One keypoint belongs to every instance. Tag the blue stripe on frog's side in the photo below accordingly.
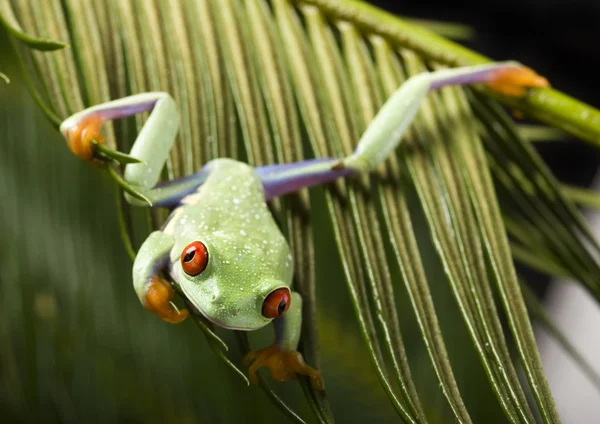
(277, 180)
(169, 194)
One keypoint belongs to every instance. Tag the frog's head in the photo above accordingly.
(233, 285)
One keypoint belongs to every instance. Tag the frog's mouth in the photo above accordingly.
(217, 322)
(196, 307)
(212, 319)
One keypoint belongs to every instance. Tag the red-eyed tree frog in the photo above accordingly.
(220, 244)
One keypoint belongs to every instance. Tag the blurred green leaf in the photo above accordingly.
(8, 20)
(539, 133)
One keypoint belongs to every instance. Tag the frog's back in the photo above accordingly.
(231, 198)
(231, 192)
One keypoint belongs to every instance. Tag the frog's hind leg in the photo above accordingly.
(385, 132)
(153, 142)
(287, 178)
(168, 194)
(151, 146)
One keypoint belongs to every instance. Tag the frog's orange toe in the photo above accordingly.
(80, 136)
(283, 365)
(159, 294)
(515, 81)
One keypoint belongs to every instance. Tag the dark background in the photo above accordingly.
(560, 39)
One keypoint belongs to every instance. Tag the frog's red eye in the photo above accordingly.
(194, 258)
(276, 303)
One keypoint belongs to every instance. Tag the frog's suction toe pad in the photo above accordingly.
(515, 81)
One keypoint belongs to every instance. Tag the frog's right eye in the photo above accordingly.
(194, 258)
(276, 303)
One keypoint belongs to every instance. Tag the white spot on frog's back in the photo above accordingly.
(193, 198)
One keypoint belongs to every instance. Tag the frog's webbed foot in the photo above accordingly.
(283, 365)
(158, 299)
(515, 81)
(81, 134)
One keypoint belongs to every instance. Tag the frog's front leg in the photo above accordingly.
(281, 358)
(155, 293)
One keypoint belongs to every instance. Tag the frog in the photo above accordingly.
(221, 246)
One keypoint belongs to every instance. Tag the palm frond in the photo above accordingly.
(280, 80)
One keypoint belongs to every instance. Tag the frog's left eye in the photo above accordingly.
(276, 303)
(194, 258)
